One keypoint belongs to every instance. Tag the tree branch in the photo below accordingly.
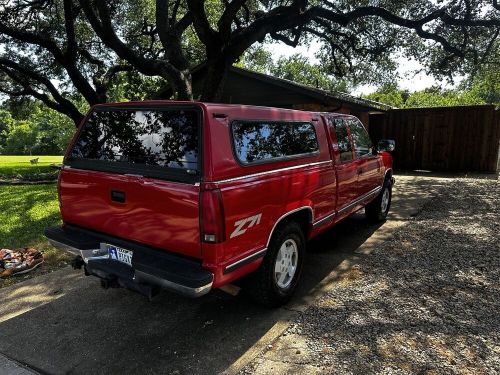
(69, 22)
(88, 56)
(114, 70)
(102, 25)
(60, 104)
(345, 19)
(207, 35)
(174, 11)
(162, 21)
(290, 42)
(74, 73)
(229, 15)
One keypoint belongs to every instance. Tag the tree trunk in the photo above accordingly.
(213, 85)
(181, 85)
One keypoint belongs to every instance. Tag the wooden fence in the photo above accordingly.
(463, 138)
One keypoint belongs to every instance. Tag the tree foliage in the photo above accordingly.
(485, 83)
(65, 51)
(43, 132)
(484, 88)
(296, 68)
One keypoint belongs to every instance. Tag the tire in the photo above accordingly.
(378, 209)
(273, 288)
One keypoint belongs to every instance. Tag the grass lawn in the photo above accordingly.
(20, 167)
(26, 210)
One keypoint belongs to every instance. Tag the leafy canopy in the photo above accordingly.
(65, 52)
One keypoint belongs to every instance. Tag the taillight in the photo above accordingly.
(212, 217)
(59, 190)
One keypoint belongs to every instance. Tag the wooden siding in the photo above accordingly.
(442, 139)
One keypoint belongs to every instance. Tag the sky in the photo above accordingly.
(410, 80)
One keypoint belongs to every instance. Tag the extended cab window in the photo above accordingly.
(360, 138)
(148, 142)
(256, 141)
(343, 141)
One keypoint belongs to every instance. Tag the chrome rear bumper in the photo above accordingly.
(150, 267)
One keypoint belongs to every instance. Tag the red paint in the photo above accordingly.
(157, 213)
(167, 215)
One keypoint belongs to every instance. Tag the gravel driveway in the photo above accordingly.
(426, 302)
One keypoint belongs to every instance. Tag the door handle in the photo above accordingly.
(360, 171)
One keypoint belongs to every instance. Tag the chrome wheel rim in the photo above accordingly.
(286, 263)
(385, 200)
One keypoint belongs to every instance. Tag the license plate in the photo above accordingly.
(119, 254)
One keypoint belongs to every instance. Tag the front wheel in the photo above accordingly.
(378, 209)
(276, 279)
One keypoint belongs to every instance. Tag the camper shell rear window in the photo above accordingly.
(161, 142)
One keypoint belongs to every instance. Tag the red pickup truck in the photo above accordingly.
(192, 196)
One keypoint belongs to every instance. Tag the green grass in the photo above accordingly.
(20, 167)
(26, 210)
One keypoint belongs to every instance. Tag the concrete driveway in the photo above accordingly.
(64, 323)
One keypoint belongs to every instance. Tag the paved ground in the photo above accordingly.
(64, 323)
(10, 367)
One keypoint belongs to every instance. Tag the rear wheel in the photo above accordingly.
(378, 209)
(275, 281)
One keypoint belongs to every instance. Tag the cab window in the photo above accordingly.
(263, 141)
(343, 141)
(362, 142)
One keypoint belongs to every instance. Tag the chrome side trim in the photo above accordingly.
(360, 199)
(285, 215)
(182, 289)
(231, 267)
(365, 196)
(325, 219)
(272, 171)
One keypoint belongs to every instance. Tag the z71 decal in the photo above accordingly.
(244, 224)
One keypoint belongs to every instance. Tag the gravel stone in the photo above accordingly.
(427, 301)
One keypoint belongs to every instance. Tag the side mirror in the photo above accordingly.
(386, 145)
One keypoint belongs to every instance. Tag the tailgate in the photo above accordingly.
(133, 172)
(153, 212)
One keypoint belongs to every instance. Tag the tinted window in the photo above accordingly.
(262, 140)
(140, 137)
(360, 138)
(343, 141)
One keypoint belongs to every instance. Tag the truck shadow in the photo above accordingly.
(90, 330)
